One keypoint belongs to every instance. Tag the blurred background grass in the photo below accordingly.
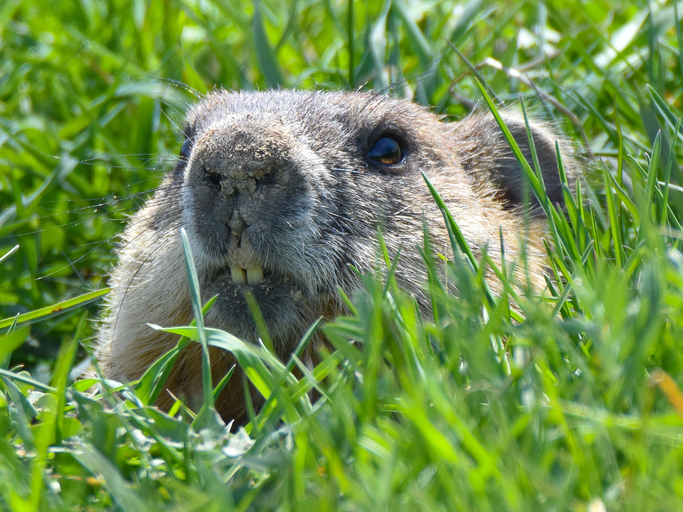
(92, 96)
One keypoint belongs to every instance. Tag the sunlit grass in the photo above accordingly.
(561, 401)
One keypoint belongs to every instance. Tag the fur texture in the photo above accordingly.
(284, 181)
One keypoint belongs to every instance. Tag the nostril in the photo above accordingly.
(265, 177)
(213, 179)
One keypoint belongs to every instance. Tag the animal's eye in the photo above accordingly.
(386, 151)
(186, 148)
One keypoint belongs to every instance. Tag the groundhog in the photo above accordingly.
(281, 192)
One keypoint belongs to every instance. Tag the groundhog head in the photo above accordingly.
(282, 192)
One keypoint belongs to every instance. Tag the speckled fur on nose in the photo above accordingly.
(240, 171)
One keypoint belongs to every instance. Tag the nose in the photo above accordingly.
(240, 167)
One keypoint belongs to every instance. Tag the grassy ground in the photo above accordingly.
(567, 402)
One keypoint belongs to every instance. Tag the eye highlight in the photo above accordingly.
(386, 151)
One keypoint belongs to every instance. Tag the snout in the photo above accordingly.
(244, 185)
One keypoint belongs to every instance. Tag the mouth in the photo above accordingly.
(264, 283)
(283, 306)
(251, 275)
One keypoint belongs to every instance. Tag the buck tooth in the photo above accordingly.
(237, 275)
(255, 274)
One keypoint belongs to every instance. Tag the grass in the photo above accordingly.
(568, 401)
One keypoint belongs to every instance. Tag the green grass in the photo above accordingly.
(568, 401)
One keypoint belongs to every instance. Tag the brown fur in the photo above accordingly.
(282, 180)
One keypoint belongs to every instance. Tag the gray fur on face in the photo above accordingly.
(280, 188)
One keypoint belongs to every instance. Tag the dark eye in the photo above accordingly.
(186, 148)
(386, 151)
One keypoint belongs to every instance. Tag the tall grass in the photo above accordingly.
(568, 400)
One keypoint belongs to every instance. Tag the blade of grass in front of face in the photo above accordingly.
(258, 320)
(551, 213)
(458, 240)
(533, 179)
(294, 360)
(199, 420)
(250, 358)
(152, 382)
(195, 295)
(390, 281)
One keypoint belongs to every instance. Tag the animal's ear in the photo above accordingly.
(488, 158)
